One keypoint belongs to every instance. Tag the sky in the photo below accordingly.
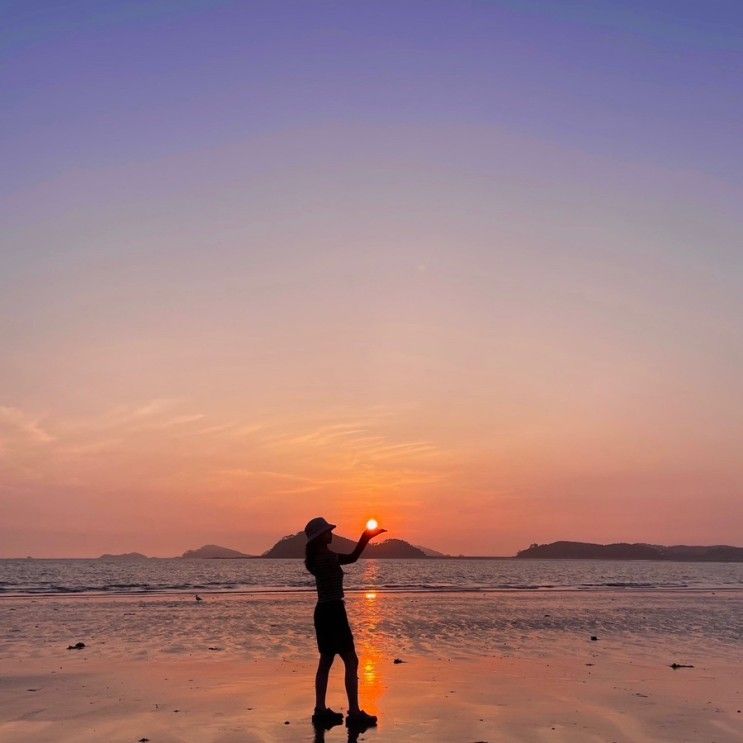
(472, 268)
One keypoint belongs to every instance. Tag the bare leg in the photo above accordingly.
(351, 661)
(321, 681)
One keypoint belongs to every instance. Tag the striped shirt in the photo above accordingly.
(328, 578)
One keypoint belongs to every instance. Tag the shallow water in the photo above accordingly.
(443, 624)
(38, 577)
(448, 608)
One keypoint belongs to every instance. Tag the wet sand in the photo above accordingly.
(553, 686)
(424, 699)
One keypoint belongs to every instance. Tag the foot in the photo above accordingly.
(361, 719)
(327, 717)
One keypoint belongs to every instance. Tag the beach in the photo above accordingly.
(490, 667)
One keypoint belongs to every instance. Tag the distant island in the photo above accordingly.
(124, 556)
(215, 552)
(626, 551)
(292, 546)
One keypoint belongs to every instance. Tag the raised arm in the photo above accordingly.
(346, 559)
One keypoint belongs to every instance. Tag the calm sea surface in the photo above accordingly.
(452, 608)
(38, 577)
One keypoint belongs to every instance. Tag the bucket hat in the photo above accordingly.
(316, 527)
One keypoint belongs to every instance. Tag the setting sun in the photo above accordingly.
(371, 524)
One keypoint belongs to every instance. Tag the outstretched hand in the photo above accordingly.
(371, 533)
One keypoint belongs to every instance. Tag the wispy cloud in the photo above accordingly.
(238, 472)
(30, 450)
(124, 414)
(161, 446)
(15, 423)
(178, 420)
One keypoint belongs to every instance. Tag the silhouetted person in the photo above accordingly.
(334, 635)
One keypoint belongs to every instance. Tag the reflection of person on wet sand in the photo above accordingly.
(353, 732)
(331, 623)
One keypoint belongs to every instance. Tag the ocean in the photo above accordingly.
(260, 607)
(154, 576)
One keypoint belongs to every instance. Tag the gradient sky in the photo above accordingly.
(474, 268)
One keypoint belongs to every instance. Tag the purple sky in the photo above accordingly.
(445, 263)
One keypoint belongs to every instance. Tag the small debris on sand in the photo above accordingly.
(398, 660)
(144, 740)
(76, 646)
(286, 722)
(594, 638)
(680, 665)
(214, 648)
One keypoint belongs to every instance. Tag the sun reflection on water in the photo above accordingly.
(369, 610)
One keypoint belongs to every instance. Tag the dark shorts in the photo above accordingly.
(331, 627)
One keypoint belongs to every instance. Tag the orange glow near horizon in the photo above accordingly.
(166, 457)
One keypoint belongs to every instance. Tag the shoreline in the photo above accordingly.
(544, 590)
